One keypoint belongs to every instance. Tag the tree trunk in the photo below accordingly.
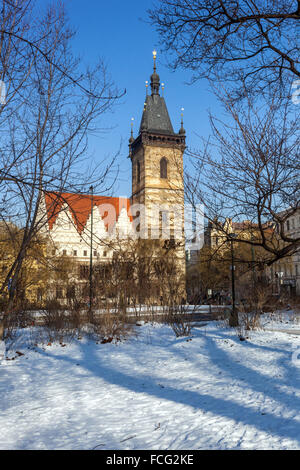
(1, 332)
(234, 319)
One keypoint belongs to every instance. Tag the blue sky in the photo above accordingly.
(118, 32)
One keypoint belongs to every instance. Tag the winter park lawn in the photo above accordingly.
(155, 391)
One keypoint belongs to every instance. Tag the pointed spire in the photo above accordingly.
(131, 132)
(131, 139)
(182, 130)
(155, 116)
(155, 80)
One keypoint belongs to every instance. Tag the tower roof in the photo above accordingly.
(155, 115)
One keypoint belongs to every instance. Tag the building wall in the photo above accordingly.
(286, 272)
(162, 198)
(64, 238)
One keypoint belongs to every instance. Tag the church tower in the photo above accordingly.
(157, 172)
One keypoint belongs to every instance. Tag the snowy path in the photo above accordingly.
(289, 332)
(155, 392)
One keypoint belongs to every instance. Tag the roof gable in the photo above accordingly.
(80, 207)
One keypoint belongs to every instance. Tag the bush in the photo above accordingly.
(54, 321)
(109, 326)
(179, 321)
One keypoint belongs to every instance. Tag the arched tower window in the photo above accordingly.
(164, 168)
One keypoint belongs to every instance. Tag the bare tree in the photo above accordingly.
(46, 119)
(256, 41)
(249, 170)
(141, 274)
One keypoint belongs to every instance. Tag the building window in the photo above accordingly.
(75, 252)
(288, 225)
(164, 168)
(64, 252)
(85, 253)
(104, 253)
(95, 253)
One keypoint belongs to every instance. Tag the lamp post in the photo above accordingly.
(91, 251)
(279, 276)
(234, 319)
(253, 262)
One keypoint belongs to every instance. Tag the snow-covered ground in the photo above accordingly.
(155, 391)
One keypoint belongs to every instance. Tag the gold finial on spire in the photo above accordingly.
(154, 59)
(147, 84)
(162, 89)
(154, 77)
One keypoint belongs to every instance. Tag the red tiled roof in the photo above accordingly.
(80, 207)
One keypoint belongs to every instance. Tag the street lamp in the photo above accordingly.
(279, 276)
(234, 320)
(91, 250)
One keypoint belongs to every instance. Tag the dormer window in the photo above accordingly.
(164, 168)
